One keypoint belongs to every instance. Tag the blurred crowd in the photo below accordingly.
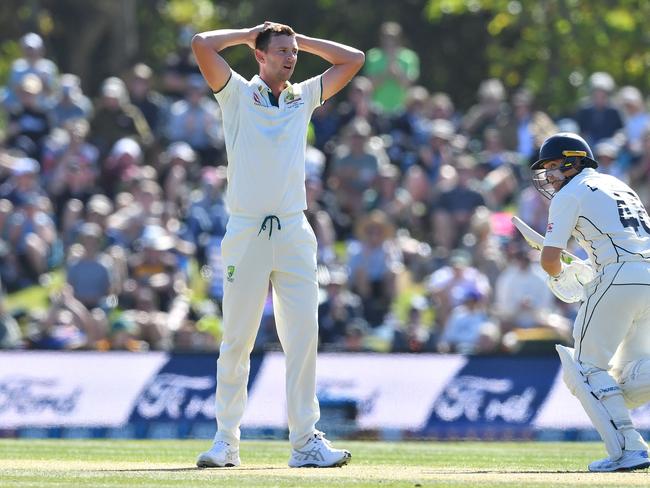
(121, 198)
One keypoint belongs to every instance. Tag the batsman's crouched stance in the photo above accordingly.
(608, 369)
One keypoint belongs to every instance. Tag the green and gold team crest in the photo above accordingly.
(230, 273)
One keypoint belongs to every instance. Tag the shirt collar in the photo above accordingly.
(261, 84)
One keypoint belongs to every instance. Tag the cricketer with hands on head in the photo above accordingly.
(608, 369)
(268, 236)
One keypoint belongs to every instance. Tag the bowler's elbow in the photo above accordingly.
(198, 41)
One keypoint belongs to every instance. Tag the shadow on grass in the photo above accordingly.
(489, 471)
(171, 470)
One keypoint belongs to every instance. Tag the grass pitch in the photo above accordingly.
(158, 464)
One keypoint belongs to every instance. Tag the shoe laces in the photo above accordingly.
(320, 436)
(221, 445)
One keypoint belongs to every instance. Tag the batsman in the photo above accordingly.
(608, 369)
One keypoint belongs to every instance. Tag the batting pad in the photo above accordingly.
(635, 383)
(607, 416)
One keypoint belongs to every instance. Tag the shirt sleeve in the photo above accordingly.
(562, 218)
(229, 94)
(312, 91)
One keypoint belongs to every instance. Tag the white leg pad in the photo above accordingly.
(635, 383)
(602, 398)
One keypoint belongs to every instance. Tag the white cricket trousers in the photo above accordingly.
(284, 252)
(612, 327)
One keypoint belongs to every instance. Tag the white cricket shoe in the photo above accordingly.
(629, 461)
(220, 455)
(318, 453)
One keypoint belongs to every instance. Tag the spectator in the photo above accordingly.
(607, 152)
(67, 326)
(155, 266)
(22, 182)
(71, 221)
(89, 272)
(356, 337)
(153, 326)
(196, 120)
(442, 107)
(178, 66)
(484, 245)
(355, 167)
(338, 308)
(151, 103)
(124, 335)
(315, 159)
(33, 62)
(497, 170)
(526, 129)
(175, 169)
(374, 262)
(639, 172)
(11, 336)
(388, 196)
(449, 285)
(455, 206)
(207, 215)
(28, 123)
(116, 118)
(72, 104)
(148, 198)
(490, 111)
(11, 276)
(598, 119)
(32, 236)
(320, 221)
(326, 122)
(121, 165)
(533, 208)
(636, 119)
(469, 329)
(412, 122)
(414, 335)
(522, 299)
(70, 145)
(75, 172)
(438, 150)
(98, 209)
(203, 335)
(392, 68)
(419, 200)
(359, 104)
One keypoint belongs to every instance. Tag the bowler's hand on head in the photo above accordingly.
(253, 32)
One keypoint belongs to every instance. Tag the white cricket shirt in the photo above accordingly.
(266, 144)
(604, 215)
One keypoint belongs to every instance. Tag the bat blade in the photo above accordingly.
(536, 241)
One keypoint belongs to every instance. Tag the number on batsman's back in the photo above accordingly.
(536, 241)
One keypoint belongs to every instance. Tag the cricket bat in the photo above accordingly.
(536, 241)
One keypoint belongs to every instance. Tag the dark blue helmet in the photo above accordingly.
(568, 146)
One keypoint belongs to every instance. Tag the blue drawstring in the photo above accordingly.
(269, 218)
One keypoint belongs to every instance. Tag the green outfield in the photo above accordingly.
(158, 464)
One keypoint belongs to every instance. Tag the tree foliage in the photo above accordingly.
(552, 46)
(96, 39)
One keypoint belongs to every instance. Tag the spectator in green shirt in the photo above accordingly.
(392, 69)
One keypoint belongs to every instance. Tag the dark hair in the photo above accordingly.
(272, 30)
